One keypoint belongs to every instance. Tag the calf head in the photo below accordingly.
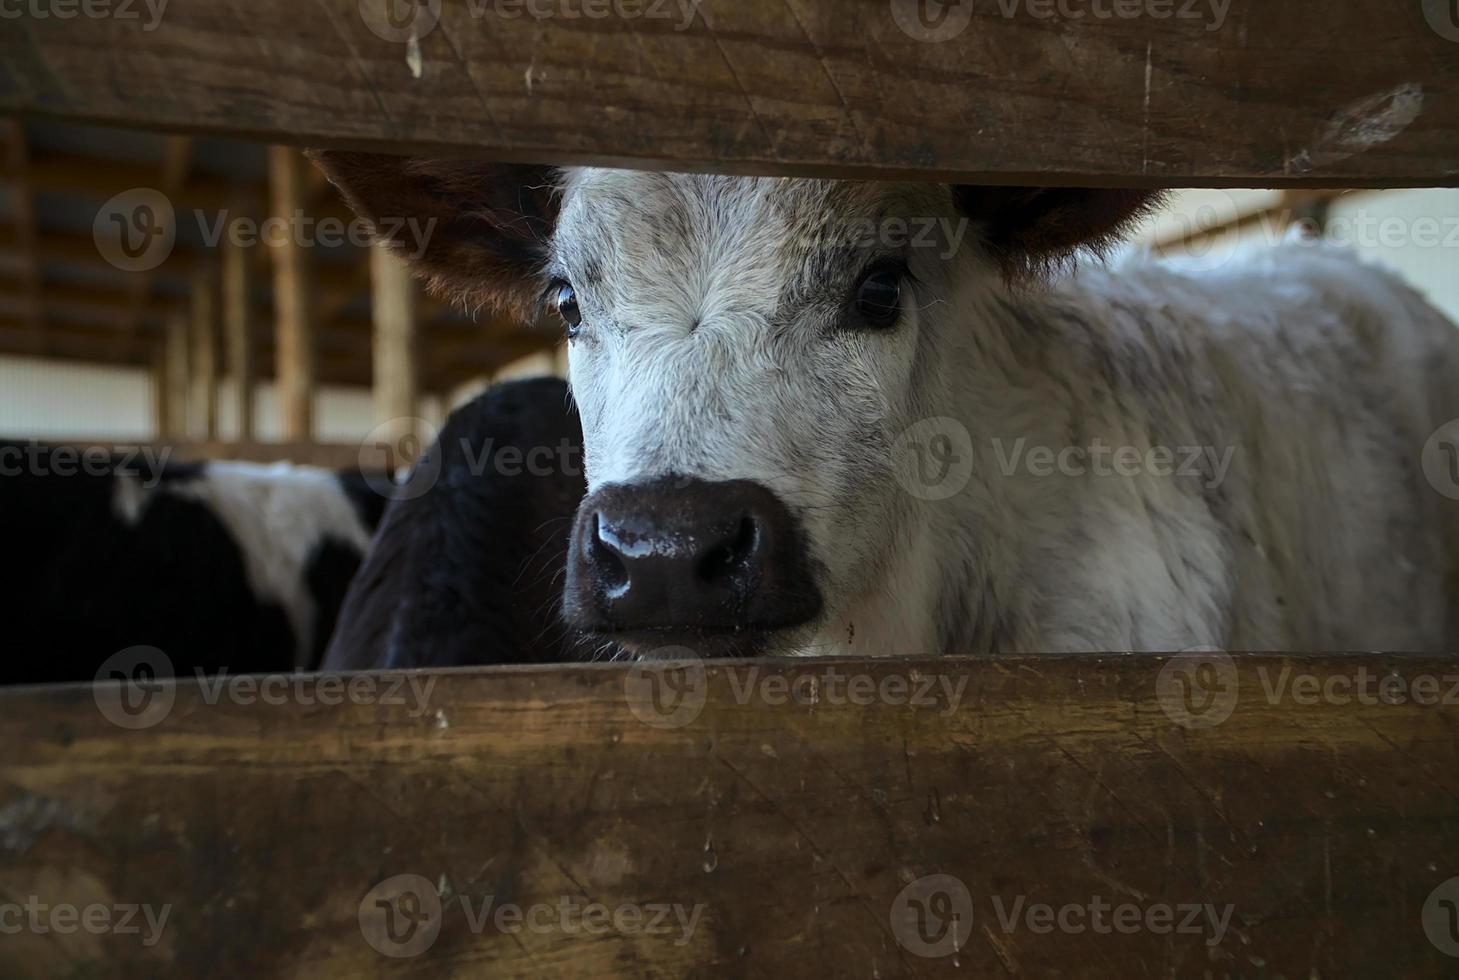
(744, 353)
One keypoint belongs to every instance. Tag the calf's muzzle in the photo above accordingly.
(689, 562)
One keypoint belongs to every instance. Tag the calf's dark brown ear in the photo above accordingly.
(1030, 231)
(477, 232)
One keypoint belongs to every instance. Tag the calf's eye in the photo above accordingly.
(565, 301)
(879, 297)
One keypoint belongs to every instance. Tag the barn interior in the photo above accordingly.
(258, 328)
(202, 296)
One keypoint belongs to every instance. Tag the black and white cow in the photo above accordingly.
(219, 565)
(829, 417)
(468, 563)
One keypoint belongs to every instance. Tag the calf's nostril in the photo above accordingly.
(612, 573)
(728, 556)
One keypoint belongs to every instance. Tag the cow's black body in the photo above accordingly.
(81, 583)
(469, 571)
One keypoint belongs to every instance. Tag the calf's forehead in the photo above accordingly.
(617, 224)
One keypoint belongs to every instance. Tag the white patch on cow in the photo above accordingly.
(277, 515)
(1305, 382)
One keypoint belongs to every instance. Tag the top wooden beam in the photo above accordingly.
(1097, 92)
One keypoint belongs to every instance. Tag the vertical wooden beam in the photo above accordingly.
(395, 309)
(178, 376)
(204, 315)
(177, 153)
(238, 333)
(161, 393)
(22, 215)
(293, 302)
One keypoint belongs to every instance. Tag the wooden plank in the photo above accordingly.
(293, 299)
(394, 307)
(1147, 92)
(238, 331)
(797, 813)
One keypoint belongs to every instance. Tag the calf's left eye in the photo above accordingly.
(879, 297)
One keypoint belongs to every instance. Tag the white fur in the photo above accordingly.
(277, 515)
(713, 347)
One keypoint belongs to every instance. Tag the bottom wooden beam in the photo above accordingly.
(1123, 816)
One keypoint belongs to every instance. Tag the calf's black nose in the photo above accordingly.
(687, 556)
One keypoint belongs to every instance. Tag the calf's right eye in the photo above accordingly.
(565, 301)
(879, 297)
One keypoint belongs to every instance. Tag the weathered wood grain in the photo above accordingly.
(1171, 92)
(793, 827)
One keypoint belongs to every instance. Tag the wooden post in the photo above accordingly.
(161, 393)
(204, 314)
(293, 303)
(395, 311)
(238, 331)
(177, 377)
